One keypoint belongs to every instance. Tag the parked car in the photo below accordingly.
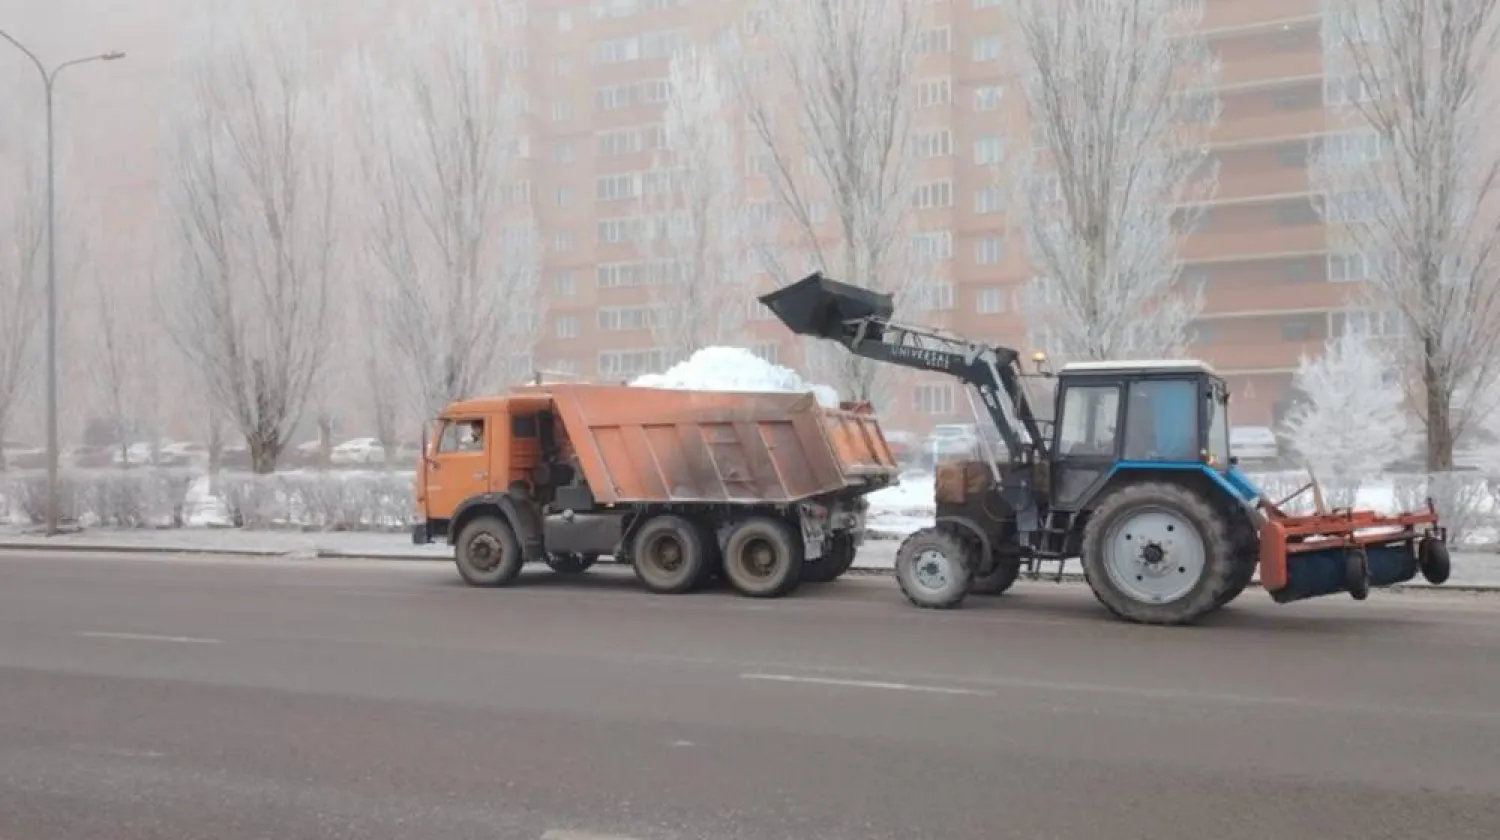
(949, 441)
(365, 450)
(1253, 444)
(906, 446)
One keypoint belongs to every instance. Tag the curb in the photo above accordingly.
(333, 554)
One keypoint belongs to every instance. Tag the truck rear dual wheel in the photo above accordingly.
(670, 555)
(836, 560)
(1158, 553)
(763, 558)
(488, 553)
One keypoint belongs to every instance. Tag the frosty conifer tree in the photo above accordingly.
(1351, 425)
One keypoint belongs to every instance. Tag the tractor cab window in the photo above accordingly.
(1088, 423)
(462, 436)
(1218, 424)
(1162, 420)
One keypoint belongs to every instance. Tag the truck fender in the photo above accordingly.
(526, 528)
(987, 553)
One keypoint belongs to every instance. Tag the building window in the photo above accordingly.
(566, 326)
(564, 196)
(989, 200)
(1351, 267)
(987, 48)
(563, 152)
(989, 300)
(933, 246)
(1384, 324)
(562, 110)
(934, 92)
(987, 97)
(988, 151)
(562, 241)
(933, 194)
(1293, 155)
(938, 40)
(989, 251)
(932, 144)
(935, 297)
(1296, 329)
(1297, 213)
(934, 398)
(563, 284)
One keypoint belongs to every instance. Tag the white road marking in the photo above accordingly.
(889, 686)
(146, 637)
(560, 834)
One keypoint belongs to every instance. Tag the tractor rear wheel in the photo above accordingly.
(1158, 553)
(935, 568)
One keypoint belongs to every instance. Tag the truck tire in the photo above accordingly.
(487, 553)
(836, 560)
(571, 564)
(763, 558)
(935, 568)
(669, 555)
(1158, 553)
(1007, 569)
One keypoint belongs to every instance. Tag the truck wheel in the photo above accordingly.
(669, 555)
(934, 568)
(571, 564)
(1433, 560)
(1007, 569)
(1157, 553)
(836, 560)
(763, 558)
(487, 553)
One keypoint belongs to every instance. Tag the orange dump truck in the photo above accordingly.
(766, 488)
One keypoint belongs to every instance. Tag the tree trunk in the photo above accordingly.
(1439, 422)
(215, 451)
(325, 441)
(263, 455)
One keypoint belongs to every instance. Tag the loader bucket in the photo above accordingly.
(820, 307)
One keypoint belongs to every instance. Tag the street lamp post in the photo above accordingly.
(49, 81)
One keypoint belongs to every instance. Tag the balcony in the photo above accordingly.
(1255, 241)
(1271, 354)
(1225, 15)
(1270, 64)
(1231, 298)
(1256, 178)
(1265, 127)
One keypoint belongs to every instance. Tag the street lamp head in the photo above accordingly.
(113, 55)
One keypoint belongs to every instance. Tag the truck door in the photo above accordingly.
(459, 467)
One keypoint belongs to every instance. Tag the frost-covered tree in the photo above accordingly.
(1120, 98)
(695, 234)
(121, 365)
(1352, 419)
(23, 237)
(1410, 190)
(831, 102)
(251, 195)
(450, 232)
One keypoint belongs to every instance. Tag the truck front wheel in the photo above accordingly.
(763, 558)
(669, 554)
(487, 553)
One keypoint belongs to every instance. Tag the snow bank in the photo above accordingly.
(734, 369)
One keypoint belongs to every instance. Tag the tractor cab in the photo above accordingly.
(1162, 415)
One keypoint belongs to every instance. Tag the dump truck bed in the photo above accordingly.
(655, 445)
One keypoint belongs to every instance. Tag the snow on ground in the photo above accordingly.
(734, 369)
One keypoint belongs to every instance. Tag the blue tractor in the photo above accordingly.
(1134, 477)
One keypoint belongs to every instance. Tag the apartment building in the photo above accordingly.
(1274, 288)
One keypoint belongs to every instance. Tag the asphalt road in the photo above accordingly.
(177, 698)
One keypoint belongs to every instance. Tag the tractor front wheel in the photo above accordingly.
(1157, 553)
(935, 568)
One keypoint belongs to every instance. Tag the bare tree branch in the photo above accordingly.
(1120, 94)
(831, 104)
(450, 234)
(1411, 191)
(695, 226)
(253, 196)
(23, 232)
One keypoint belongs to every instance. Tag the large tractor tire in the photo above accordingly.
(487, 553)
(1239, 579)
(836, 560)
(935, 568)
(763, 558)
(670, 556)
(1007, 569)
(1158, 553)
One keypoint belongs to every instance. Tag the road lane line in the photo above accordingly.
(889, 686)
(147, 637)
(559, 834)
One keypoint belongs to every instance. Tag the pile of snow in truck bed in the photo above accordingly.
(734, 369)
